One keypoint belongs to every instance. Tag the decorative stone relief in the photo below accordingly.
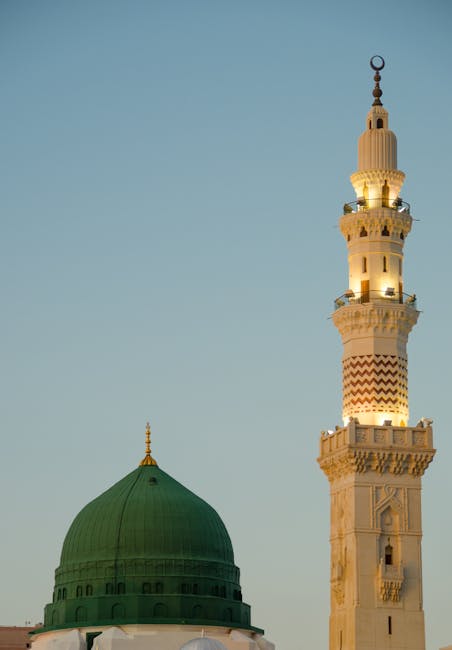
(390, 581)
(351, 460)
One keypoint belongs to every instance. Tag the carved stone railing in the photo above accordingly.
(390, 581)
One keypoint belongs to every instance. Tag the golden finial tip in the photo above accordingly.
(148, 460)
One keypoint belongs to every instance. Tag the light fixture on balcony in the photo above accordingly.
(390, 291)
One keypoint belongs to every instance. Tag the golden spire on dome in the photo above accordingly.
(148, 460)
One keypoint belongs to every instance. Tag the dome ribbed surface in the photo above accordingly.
(147, 514)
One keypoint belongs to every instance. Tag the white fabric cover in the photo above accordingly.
(106, 640)
(203, 643)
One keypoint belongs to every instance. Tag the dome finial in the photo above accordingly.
(148, 460)
(377, 63)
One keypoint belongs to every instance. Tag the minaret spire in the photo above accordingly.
(377, 63)
(148, 460)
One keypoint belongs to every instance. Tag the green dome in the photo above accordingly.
(147, 551)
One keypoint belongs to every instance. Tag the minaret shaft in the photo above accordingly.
(375, 462)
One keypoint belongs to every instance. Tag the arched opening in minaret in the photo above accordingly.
(389, 558)
(365, 192)
(379, 123)
(402, 236)
(364, 265)
(385, 195)
(363, 232)
(385, 231)
(385, 264)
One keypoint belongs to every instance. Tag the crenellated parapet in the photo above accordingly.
(357, 449)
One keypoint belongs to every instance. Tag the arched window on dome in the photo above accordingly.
(160, 610)
(121, 588)
(109, 588)
(227, 614)
(197, 612)
(89, 590)
(64, 593)
(80, 614)
(59, 594)
(79, 591)
(118, 611)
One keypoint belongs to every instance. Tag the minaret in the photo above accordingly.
(374, 463)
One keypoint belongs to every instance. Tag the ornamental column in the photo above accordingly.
(375, 461)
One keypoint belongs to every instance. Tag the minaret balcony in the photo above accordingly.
(390, 578)
(390, 295)
(362, 205)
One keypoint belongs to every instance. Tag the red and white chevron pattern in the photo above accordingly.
(375, 383)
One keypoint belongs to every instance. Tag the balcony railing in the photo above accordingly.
(362, 204)
(389, 295)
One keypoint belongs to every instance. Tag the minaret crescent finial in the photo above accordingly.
(148, 460)
(377, 63)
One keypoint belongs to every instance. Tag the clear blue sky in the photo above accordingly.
(171, 176)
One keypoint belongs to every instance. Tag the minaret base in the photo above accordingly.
(376, 568)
